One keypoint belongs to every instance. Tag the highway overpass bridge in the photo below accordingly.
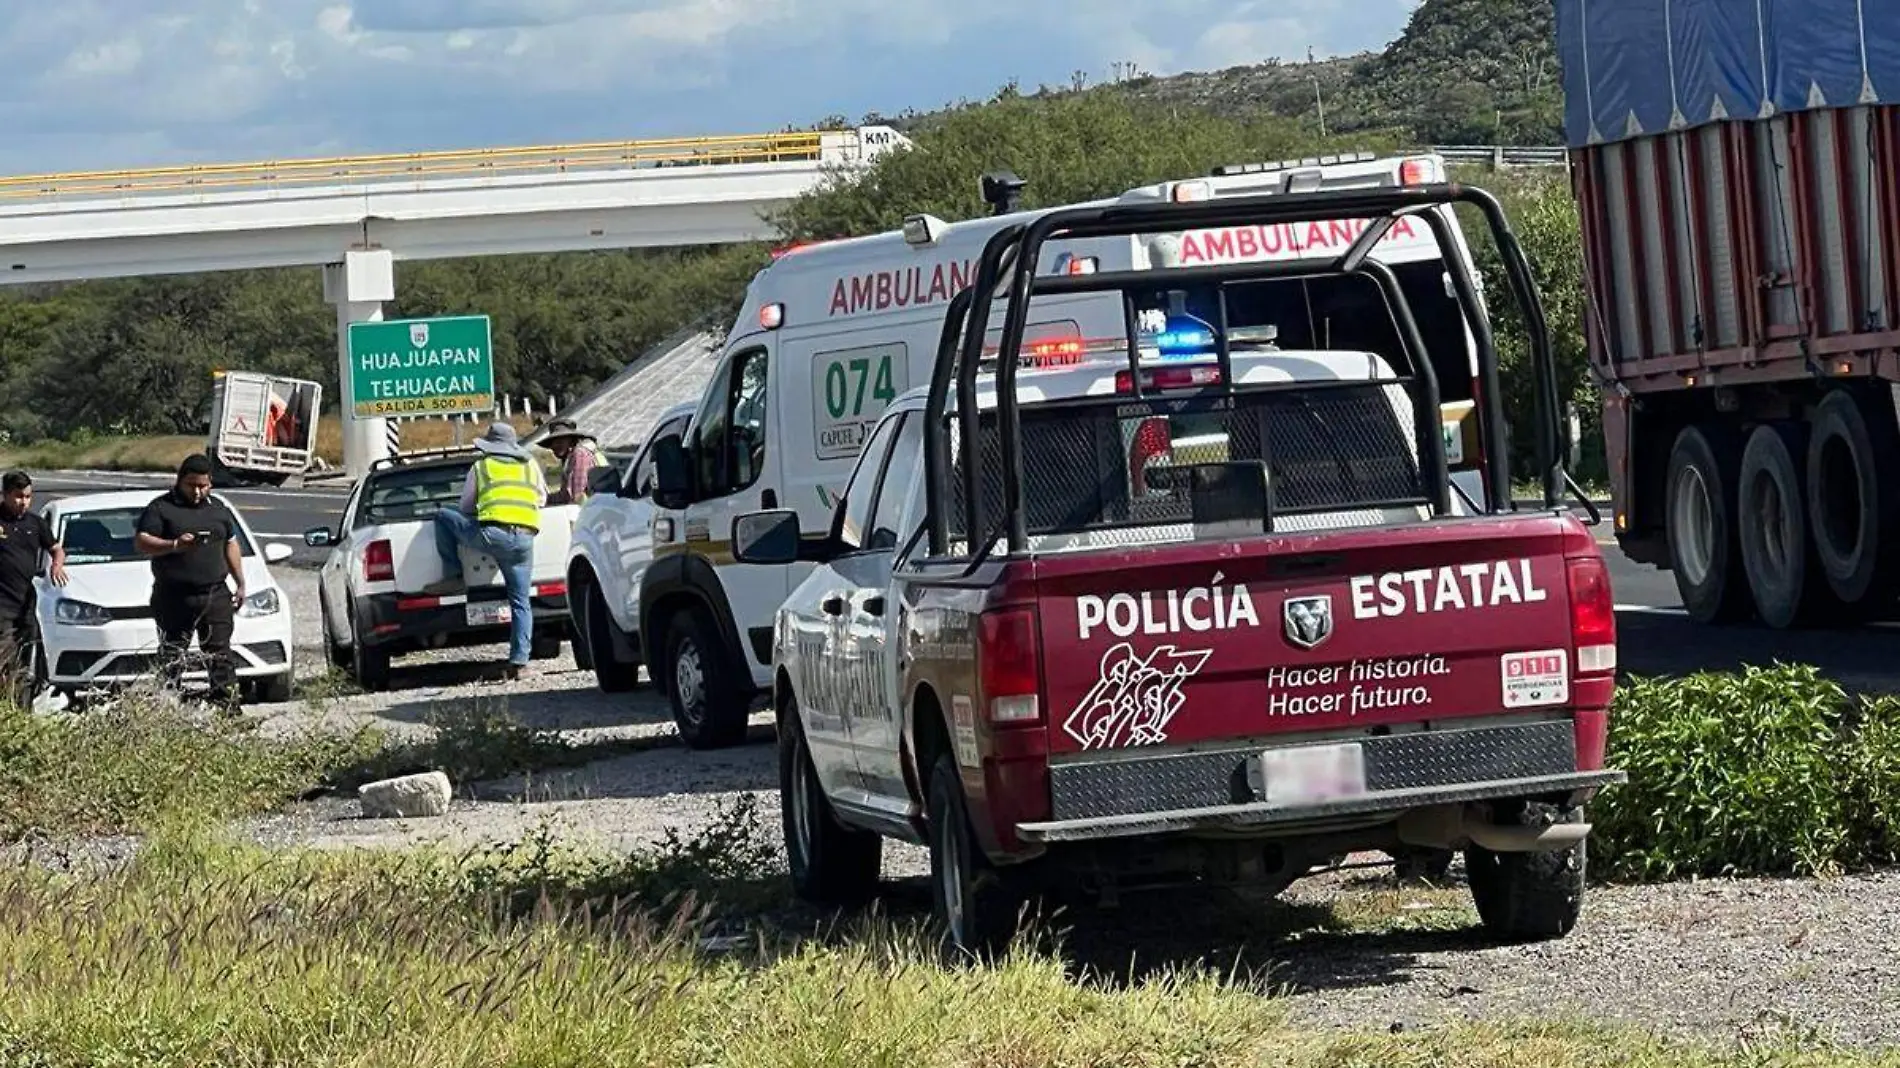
(356, 215)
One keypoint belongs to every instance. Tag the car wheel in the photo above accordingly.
(613, 675)
(707, 708)
(830, 863)
(274, 689)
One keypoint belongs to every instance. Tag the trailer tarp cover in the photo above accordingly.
(1634, 67)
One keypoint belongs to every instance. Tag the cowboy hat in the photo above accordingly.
(501, 440)
(561, 427)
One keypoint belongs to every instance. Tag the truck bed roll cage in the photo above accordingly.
(1007, 268)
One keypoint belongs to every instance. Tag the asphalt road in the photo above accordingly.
(1655, 638)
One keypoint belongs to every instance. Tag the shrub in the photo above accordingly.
(1770, 771)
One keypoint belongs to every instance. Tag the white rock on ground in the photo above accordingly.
(409, 796)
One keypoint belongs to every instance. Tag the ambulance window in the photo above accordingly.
(904, 472)
(729, 442)
(860, 494)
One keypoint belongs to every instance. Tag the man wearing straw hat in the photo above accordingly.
(578, 455)
(499, 514)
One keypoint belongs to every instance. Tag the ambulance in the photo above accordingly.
(831, 333)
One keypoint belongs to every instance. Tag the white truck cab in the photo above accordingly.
(830, 335)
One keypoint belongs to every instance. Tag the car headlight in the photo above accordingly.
(80, 613)
(261, 603)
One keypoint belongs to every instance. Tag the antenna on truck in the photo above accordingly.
(1003, 192)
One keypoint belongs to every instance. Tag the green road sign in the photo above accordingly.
(422, 366)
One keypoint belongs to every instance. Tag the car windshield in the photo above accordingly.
(107, 535)
(401, 494)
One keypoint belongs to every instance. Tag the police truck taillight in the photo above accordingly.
(379, 565)
(1007, 665)
(1592, 615)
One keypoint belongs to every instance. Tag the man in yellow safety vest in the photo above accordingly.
(499, 514)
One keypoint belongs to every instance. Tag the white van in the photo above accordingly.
(831, 334)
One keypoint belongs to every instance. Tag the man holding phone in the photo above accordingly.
(192, 542)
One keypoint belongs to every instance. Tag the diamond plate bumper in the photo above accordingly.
(1215, 789)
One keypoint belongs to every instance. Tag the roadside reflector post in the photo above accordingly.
(358, 286)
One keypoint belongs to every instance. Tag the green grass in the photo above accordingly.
(200, 952)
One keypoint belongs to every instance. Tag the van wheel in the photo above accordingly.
(971, 901)
(368, 665)
(1529, 897)
(1700, 508)
(613, 676)
(708, 708)
(1777, 555)
(830, 863)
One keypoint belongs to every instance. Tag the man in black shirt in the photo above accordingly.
(23, 537)
(192, 541)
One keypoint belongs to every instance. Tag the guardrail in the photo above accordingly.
(1505, 155)
(465, 163)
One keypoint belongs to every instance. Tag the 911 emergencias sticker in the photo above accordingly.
(1534, 679)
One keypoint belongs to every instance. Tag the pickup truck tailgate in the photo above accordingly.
(1183, 643)
(412, 545)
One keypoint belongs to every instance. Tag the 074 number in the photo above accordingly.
(847, 380)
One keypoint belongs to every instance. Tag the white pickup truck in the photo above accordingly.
(382, 555)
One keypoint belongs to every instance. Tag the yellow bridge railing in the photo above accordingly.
(461, 163)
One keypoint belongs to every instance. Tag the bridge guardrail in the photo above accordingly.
(811, 146)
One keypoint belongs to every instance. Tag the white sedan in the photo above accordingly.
(98, 631)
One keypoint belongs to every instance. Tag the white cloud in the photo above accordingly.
(99, 83)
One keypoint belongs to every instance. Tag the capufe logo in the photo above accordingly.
(1199, 610)
(1446, 589)
(905, 287)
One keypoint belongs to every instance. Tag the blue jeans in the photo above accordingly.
(513, 551)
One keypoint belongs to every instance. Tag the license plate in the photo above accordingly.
(1310, 774)
(485, 613)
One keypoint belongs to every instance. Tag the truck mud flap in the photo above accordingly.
(1263, 817)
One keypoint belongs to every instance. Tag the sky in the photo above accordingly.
(97, 84)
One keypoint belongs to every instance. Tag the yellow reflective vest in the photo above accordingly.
(507, 491)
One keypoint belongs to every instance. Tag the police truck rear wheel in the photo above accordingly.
(830, 863)
(1704, 554)
(1529, 897)
(707, 707)
(970, 900)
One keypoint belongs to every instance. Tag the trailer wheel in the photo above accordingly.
(1853, 497)
(1777, 554)
(1700, 509)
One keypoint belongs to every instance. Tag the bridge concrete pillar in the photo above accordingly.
(358, 286)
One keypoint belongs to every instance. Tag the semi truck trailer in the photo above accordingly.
(1734, 165)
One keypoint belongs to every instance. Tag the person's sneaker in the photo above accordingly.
(444, 586)
(512, 671)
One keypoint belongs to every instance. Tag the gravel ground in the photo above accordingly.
(1724, 959)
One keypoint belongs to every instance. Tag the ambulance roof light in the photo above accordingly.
(923, 229)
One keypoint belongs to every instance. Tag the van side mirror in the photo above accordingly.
(672, 474)
(766, 537)
(603, 479)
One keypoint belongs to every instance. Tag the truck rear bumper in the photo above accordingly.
(1264, 817)
(402, 619)
(1134, 792)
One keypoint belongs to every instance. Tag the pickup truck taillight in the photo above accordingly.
(1007, 665)
(379, 565)
(1592, 615)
